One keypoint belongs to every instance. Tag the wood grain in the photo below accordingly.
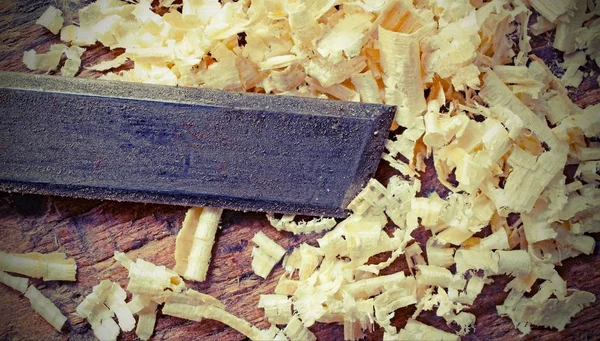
(90, 230)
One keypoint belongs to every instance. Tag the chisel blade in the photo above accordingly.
(186, 146)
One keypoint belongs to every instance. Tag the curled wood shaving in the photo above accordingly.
(138, 303)
(414, 256)
(286, 286)
(150, 285)
(20, 284)
(287, 223)
(45, 308)
(73, 62)
(106, 300)
(547, 312)
(305, 259)
(265, 255)
(373, 195)
(194, 242)
(515, 263)
(278, 308)
(191, 296)
(199, 312)
(146, 279)
(146, 321)
(404, 86)
(295, 330)
(438, 255)
(391, 300)
(542, 25)
(588, 171)
(50, 267)
(51, 19)
(109, 64)
(44, 61)
(116, 303)
(495, 241)
(552, 9)
(415, 330)
(472, 259)
(367, 87)
(438, 276)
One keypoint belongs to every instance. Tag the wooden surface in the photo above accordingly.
(90, 231)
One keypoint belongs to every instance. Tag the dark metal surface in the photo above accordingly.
(138, 142)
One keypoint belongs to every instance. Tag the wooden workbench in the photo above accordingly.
(90, 231)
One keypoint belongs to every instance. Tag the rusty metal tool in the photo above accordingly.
(163, 144)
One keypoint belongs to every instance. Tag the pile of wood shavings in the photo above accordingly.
(499, 126)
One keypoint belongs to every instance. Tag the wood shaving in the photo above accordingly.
(138, 303)
(568, 25)
(20, 284)
(199, 312)
(402, 75)
(287, 223)
(73, 62)
(194, 242)
(542, 25)
(50, 267)
(278, 308)
(116, 303)
(543, 311)
(588, 171)
(109, 64)
(374, 194)
(573, 76)
(52, 19)
(150, 285)
(295, 330)
(146, 321)
(367, 87)
(552, 9)
(438, 255)
(44, 61)
(151, 281)
(266, 255)
(305, 259)
(45, 308)
(495, 241)
(438, 276)
(415, 330)
(98, 308)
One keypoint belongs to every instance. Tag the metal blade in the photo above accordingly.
(163, 144)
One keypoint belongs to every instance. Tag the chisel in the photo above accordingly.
(186, 146)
